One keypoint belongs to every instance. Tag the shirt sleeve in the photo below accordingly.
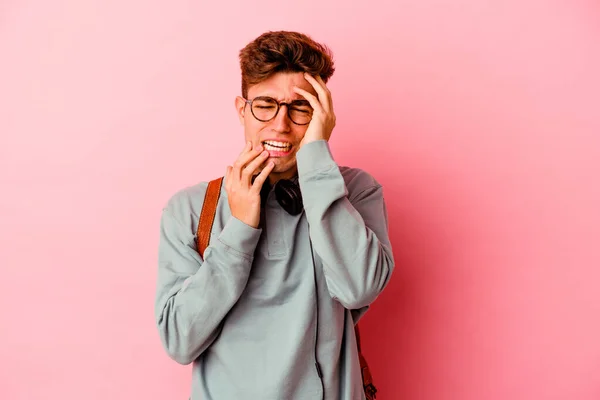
(194, 295)
(349, 235)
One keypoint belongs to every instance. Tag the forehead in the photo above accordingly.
(280, 86)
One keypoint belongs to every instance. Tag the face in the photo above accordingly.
(279, 136)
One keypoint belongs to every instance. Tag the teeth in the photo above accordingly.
(276, 145)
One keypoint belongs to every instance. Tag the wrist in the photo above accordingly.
(316, 156)
(251, 221)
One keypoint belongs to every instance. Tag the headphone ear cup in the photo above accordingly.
(289, 196)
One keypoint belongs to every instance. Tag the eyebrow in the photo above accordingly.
(300, 101)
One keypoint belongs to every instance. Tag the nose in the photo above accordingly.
(282, 122)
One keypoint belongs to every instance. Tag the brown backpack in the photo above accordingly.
(207, 216)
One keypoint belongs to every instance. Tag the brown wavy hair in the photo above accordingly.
(283, 51)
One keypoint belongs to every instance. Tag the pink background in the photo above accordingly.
(481, 119)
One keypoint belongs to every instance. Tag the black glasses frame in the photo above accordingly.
(279, 104)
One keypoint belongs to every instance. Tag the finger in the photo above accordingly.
(245, 157)
(245, 150)
(253, 165)
(324, 85)
(321, 89)
(312, 99)
(262, 177)
(227, 176)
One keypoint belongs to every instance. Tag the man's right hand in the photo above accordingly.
(242, 193)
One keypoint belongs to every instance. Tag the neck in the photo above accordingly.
(274, 177)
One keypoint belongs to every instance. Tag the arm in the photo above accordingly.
(193, 295)
(350, 235)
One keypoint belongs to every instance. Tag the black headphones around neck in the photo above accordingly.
(287, 193)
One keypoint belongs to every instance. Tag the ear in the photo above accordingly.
(240, 106)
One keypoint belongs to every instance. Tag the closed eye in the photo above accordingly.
(304, 111)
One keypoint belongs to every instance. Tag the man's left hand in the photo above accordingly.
(323, 119)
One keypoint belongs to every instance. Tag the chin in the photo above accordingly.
(283, 167)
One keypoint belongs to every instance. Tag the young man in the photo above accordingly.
(298, 250)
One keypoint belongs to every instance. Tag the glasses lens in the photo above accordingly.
(264, 108)
(301, 112)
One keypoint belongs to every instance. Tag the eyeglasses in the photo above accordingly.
(265, 108)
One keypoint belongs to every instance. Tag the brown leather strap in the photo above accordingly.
(357, 333)
(367, 378)
(207, 215)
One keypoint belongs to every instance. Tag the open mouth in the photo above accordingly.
(271, 145)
